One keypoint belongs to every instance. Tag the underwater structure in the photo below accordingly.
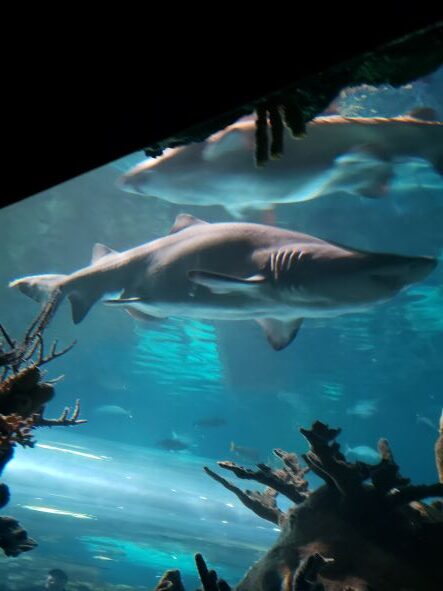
(23, 400)
(367, 527)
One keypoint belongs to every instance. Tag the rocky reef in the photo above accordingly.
(23, 399)
(367, 528)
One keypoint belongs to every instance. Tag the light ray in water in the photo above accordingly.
(72, 451)
(189, 346)
(54, 511)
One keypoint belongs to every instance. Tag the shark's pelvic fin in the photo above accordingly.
(280, 333)
(219, 283)
(185, 220)
(99, 251)
(141, 316)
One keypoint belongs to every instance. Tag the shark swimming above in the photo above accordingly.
(352, 154)
(233, 271)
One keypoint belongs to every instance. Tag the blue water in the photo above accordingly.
(104, 501)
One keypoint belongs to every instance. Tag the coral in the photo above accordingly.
(306, 576)
(64, 420)
(13, 538)
(14, 429)
(171, 580)
(23, 399)
(367, 527)
(22, 389)
(24, 350)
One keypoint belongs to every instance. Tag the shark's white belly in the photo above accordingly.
(252, 311)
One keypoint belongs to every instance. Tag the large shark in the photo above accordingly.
(352, 154)
(234, 271)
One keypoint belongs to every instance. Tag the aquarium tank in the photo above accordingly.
(283, 318)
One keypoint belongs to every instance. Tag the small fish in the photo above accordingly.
(426, 421)
(210, 422)
(113, 410)
(248, 453)
(362, 453)
(363, 409)
(173, 444)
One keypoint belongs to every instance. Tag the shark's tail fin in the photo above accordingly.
(38, 287)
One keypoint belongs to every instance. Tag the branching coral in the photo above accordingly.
(20, 352)
(23, 399)
(171, 580)
(14, 429)
(13, 538)
(366, 528)
(22, 389)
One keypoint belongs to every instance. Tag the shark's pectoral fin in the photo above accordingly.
(220, 284)
(280, 333)
(82, 302)
(365, 170)
(185, 220)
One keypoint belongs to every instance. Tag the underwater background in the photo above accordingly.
(109, 501)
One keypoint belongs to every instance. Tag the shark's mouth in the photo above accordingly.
(391, 282)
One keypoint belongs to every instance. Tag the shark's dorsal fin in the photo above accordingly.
(185, 220)
(424, 114)
(220, 144)
(99, 251)
(219, 283)
(280, 333)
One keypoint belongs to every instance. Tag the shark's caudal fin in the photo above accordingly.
(280, 333)
(41, 287)
(38, 287)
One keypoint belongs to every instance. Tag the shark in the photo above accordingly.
(233, 271)
(355, 155)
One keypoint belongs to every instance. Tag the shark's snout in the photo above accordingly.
(397, 272)
(421, 267)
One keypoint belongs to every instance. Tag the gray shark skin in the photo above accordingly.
(234, 271)
(351, 154)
